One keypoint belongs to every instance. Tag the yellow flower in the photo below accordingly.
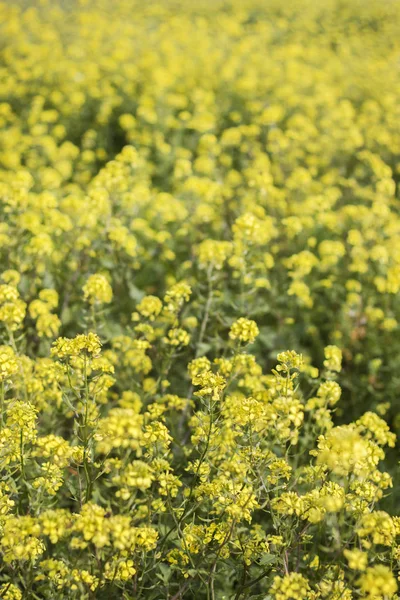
(377, 583)
(9, 591)
(65, 347)
(149, 307)
(357, 559)
(333, 358)
(244, 330)
(290, 587)
(213, 253)
(8, 363)
(97, 290)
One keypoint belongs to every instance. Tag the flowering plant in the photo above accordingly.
(199, 300)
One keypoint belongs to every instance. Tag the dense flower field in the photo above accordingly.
(199, 299)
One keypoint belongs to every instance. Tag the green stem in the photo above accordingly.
(85, 438)
(21, 450)
(190, 495)
(2, 406)
(14, 347)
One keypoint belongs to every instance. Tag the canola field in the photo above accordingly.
(199, 299)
